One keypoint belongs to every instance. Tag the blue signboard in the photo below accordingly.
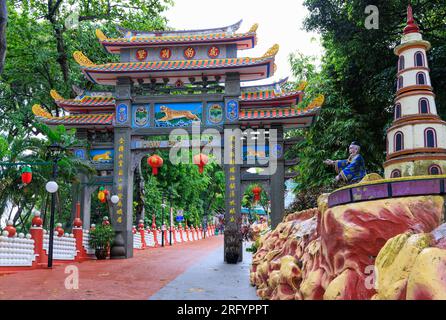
(122, 113)
(232, 110)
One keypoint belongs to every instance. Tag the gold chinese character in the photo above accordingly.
(120, 188)
(232, 219)
(119, 211)
(232, 178)
(120, 220)
(121, 149)
(232, 194)
(232, 170)
(165, 53)
(232, 203)
(121, 141)
(120, 156)
(120, 180)
(232, 186)
(232, 211)
(120, 163)
(189, 53)
(120, 172)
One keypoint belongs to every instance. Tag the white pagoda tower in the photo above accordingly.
(416, 141)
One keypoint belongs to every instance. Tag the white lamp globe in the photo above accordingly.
(114, 199)
(52, 186)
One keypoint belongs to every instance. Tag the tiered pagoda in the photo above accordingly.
(175, 79)
(416, 141)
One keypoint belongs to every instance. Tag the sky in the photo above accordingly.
(280, 21)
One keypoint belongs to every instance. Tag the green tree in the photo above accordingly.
(357, 77)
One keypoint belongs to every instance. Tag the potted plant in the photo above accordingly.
(100, 240)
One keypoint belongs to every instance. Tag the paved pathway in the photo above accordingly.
(140, 277)
(211, 279)
(136, 278)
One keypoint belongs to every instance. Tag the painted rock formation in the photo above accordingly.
(330, 253)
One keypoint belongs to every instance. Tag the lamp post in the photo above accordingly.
(163, 205)
(52, 188)
(170, 201)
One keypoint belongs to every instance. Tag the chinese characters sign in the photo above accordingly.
(232, 182)
(120, 186)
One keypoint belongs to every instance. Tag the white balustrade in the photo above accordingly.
(86, 242)
(16, 251)
(185, 236)
(148, 237)
(137, 243)
(177, 236)
(64, 248)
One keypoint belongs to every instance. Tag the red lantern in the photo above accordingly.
(256, 190)
(155, 162)
(201, 160)
(27, 175)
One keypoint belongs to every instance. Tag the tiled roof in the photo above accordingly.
(274, 113)
(84, 119)
(231, 28)
(173, 65)
(85, 101)
(98, 73)
(245, 40)
(267, 95)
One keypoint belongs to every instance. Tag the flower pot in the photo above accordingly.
(101, 254)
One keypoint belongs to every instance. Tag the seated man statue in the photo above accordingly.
(351, 170)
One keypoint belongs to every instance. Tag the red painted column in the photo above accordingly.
(154, 231)
(141, 232)
(166, 236)
(180, 228)
(36, 232)
(187, 233)
(79, 235)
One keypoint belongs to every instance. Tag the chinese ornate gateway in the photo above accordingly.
(175, 79)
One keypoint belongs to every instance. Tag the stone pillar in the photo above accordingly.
(123, 174)
(277, 179)
(233, 245)
(85, 200)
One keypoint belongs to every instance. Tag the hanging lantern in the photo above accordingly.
(155, 162)
(106, 193)
(101, 194)
(256, 190)
(201, 160)
(27, 175)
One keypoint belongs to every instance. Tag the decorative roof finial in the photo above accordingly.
(411, 26)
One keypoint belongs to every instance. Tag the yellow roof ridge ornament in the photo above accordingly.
(100, 35)
(271, 51)
(302, 85)
(40, 112)
(55, 95)
(82, 60)
(317, 102)
(253, 28)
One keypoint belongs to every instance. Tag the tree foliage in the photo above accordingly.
(357, 77)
